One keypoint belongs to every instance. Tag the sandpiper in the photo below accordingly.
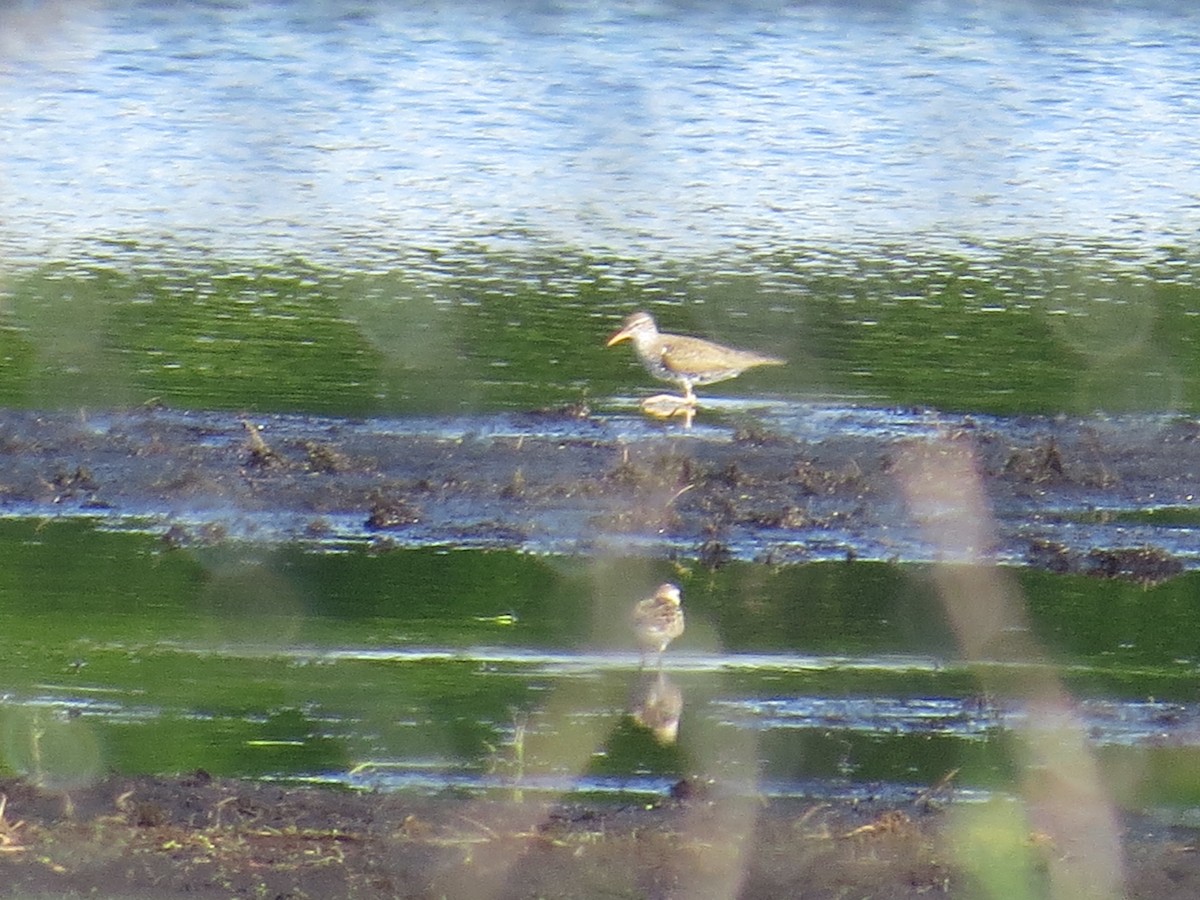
(658, 620)
(685, 361)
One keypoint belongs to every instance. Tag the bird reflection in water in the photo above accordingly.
(656, 704)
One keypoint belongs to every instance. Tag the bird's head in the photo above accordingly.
(668, 592)
(637, 324)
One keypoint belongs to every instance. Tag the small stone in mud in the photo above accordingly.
(689, 789)
(730, 476)
(492, 532)
(392, 513)
(149, 815)
(198, 778)
(661, 520)
(213, 532)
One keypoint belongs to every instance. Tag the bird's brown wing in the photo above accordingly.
(645, 612)
(689, 356)
(693, 356)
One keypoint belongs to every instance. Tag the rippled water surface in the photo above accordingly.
(495, 670)
(653, 130)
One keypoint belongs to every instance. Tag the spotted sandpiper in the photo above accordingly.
(685, 361)
(658, 620)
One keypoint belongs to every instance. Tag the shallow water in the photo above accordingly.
(434, 669)
(649, 130)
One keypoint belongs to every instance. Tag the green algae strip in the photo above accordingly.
(1004, 329)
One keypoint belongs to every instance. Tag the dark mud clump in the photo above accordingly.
(1144, 565)
(391, 513)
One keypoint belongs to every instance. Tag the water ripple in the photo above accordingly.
(648, 129)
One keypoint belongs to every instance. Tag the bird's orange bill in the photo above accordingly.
(622, 334)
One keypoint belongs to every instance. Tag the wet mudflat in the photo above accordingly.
(1114, 497)
(200, 837)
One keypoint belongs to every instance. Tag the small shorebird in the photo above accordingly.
(685, 361)
(658, 620)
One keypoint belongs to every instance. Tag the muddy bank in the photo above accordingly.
(207, 838)
(1108, 497)
(1111, 498)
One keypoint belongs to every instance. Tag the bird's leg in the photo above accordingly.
(689, 398)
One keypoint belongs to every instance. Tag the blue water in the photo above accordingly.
(354, 133)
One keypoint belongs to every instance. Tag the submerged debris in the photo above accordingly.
(392, 512)
(1143, 565)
